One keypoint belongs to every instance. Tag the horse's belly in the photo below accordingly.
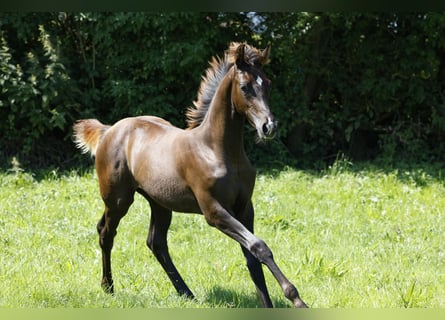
(172, 194)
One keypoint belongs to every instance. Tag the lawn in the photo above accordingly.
(348, 236)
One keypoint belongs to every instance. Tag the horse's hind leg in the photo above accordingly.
(157, 242)
(253, 264)
(257, 275)
(107, 231)
(259, 253)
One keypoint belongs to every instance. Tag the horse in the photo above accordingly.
(200, 169)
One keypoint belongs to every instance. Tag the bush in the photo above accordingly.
(36, 88)
(364, 85)
(353, 80)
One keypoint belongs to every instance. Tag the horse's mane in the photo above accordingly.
(209, 84)
(213, 77)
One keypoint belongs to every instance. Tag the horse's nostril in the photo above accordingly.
(269, 129)
(265, 129)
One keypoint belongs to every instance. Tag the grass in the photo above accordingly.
(348, 236)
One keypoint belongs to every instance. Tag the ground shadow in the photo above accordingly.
(234, 299)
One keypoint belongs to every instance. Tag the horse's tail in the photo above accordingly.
(87, 134)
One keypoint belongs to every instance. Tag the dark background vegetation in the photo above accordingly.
(366, 85)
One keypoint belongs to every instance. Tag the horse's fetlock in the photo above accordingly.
(107, 286)
(290, 292)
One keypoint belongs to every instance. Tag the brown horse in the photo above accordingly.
(203, 169)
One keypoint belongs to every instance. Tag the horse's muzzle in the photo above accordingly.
(270, 128)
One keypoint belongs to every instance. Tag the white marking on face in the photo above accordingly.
(259, 80)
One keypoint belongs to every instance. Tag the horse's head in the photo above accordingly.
(250, 90)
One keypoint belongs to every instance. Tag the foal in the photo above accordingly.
(203, 169)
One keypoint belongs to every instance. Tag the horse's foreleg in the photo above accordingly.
(157, 242)
(218, 217)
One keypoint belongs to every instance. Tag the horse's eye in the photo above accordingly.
(248, 90)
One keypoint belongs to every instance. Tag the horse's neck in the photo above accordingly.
(223, 126)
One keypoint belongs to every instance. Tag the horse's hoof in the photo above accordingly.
(107, 288)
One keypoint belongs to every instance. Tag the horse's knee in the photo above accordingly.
(261, 251)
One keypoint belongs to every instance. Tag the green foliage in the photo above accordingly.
(363, 84)
(342, 74)
(35, 87)
(151, 63)
(56, 68)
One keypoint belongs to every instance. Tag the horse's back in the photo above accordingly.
(133, 137)
(152, 119)
(139, 122)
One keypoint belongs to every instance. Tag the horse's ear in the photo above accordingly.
(265, 54)
(240, 55)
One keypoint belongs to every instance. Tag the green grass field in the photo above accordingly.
(345, 236)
